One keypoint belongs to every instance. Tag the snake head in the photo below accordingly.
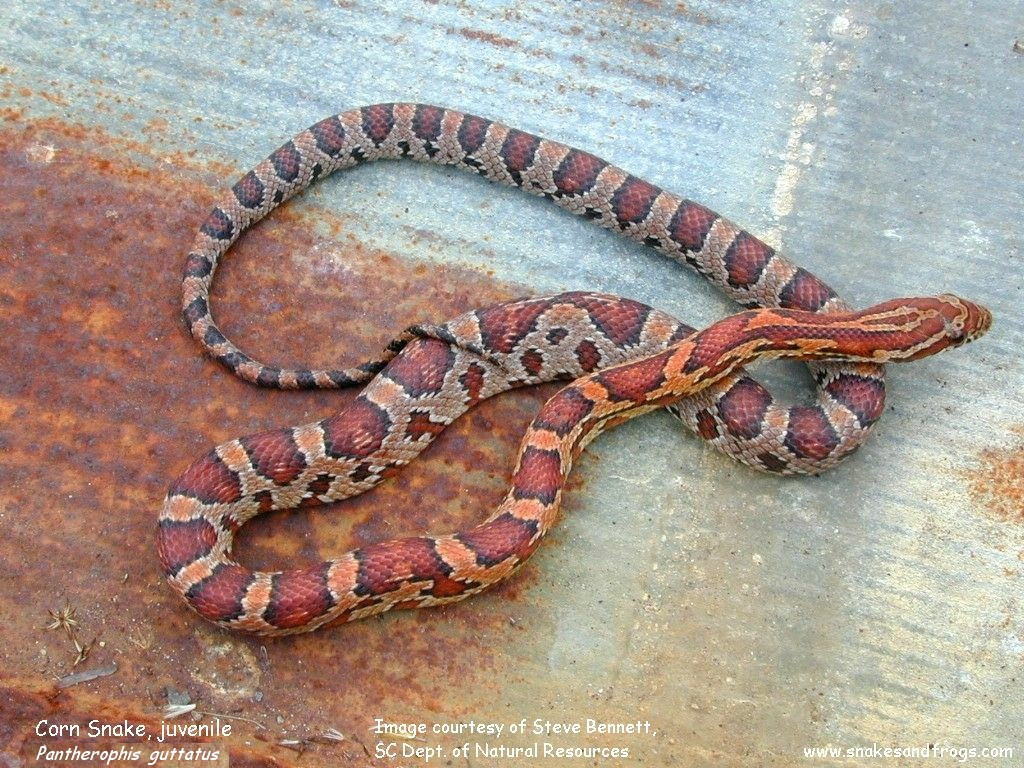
(964, 320)
(920, 327)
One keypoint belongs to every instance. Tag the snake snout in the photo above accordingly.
(965, 320)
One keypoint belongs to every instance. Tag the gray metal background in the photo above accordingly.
(878, 144)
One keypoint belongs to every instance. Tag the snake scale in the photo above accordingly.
(624, 358)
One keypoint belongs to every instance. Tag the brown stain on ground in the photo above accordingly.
(998, 482)
(486, 37)
(104, 400)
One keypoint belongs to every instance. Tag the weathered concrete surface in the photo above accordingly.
(746, 617)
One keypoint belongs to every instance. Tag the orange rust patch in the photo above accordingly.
(112, 400)
(998, 483)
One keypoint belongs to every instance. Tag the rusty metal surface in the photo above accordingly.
(746, 617)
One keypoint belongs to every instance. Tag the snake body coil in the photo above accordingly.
(737, 416)
(626, 359)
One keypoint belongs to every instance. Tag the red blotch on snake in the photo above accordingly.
(275, 454)
(298, 596)
(209, 480)
(636, 380)
(384, 566)
(422, 366)
(690, 225)
(357, 431)
(743, 408)
(810, 435)
(180, 543)
(219, 596)
(746, 259)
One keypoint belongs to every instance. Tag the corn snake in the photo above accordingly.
(625, 359)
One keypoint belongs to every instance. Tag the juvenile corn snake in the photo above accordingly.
(625, 359)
